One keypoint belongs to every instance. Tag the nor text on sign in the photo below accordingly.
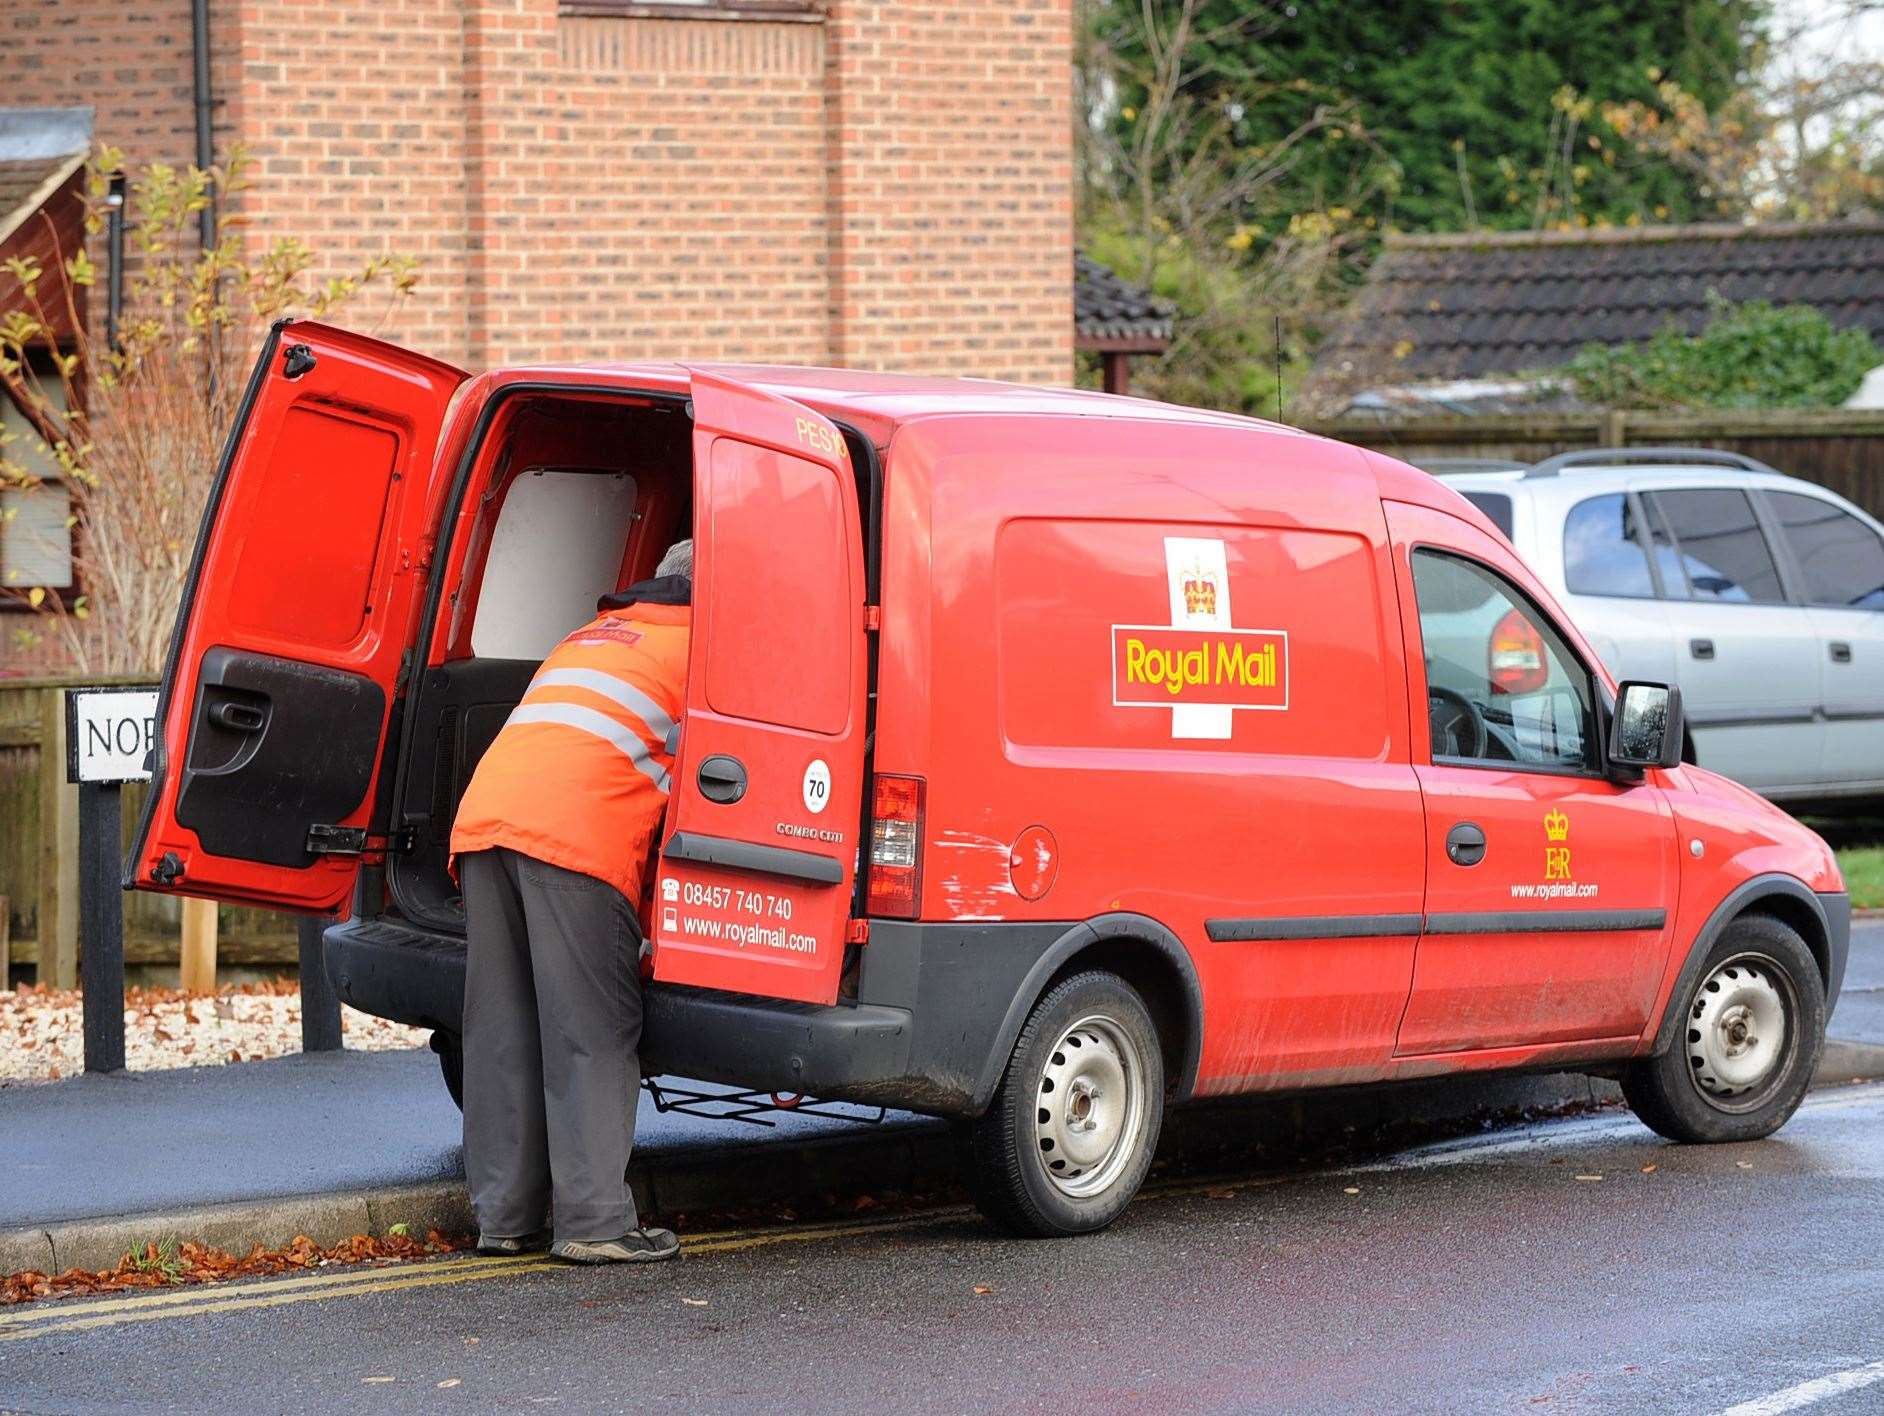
(109, 733)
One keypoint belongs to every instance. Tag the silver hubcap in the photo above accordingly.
(1090, 1108)
(1736, 1029)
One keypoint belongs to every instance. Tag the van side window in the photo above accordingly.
(1601, 552)
(1503, 688)
(1843, 559)
(1720, 546)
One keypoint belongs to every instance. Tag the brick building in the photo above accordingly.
(877, 183)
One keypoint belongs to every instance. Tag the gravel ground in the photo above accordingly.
(42, 1034)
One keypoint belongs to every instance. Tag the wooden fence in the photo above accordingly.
(39, 855)
(1840, 449)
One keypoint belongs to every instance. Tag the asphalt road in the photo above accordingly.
(1493, 1274)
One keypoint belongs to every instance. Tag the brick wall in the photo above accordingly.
(951, 186)
(887, 188)
(129, 60)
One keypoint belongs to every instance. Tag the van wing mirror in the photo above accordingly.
(1646, 730)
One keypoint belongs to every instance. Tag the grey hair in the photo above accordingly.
(678, 560)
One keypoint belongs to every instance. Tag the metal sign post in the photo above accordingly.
(108, 737)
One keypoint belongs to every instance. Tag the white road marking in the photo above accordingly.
(1810, 1393)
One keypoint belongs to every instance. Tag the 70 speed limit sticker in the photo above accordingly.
(817, 786)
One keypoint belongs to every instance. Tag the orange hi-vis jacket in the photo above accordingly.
(578, 776)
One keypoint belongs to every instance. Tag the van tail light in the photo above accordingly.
(895, 881)
(1515, 658)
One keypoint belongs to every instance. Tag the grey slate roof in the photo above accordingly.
(1109, 310)
(38, 146)
(1461, 306)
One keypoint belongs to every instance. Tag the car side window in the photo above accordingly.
(1721, 550)
(1601, 552)
(1503, 687)
(1843, 559)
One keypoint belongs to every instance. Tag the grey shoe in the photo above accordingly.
(524, 1244)
(637, 1246)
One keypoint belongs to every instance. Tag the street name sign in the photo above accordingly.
(109, 733)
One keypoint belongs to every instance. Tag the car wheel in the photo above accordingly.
(450, 1049)
(1752, 1029)
(1070, 1134)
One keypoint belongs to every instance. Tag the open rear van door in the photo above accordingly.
(296, 615)
(754, 890)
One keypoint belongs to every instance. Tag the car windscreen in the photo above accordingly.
(1495, 505)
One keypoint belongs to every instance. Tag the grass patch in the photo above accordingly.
(1864, 875)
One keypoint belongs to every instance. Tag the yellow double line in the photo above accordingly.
(43, 1320)
(21, 1323)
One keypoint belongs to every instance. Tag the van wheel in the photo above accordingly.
(450, 1049)
(1069, 1136)
(1752, 1031)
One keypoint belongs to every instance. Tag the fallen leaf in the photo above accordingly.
(472, 1341)
(379, 1379)
(1744, 1164)
(1650, 1169)
(1352, 1190)
(1221, 1192)
(450, 1382)
(1589, 1177)
(982, 1290)
(694, 1302)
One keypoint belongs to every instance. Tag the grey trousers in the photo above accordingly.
(552, 1030)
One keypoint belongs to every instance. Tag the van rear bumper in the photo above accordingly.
(871, 1051)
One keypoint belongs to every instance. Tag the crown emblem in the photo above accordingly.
(1200, 594)
(1556, 826)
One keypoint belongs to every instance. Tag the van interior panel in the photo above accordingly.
(576, 497)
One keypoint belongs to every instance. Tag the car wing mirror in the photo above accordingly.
(1646, 730)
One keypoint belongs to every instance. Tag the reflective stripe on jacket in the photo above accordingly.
(578, 777)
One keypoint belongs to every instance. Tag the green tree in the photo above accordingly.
(1754, 355)
(1492, 111)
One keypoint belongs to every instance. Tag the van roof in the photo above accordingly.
(877, 403)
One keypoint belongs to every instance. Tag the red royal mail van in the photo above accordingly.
(1050, 757)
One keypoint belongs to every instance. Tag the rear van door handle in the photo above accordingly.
(1465, 844)
(722, 779)
(1841, 652)
(1701, 648)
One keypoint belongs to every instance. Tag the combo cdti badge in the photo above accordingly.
(1049, 757)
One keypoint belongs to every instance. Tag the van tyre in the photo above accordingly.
(450, 1049)
(1070, 1134)
(1751, 1031)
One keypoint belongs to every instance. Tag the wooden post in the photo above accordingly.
(1615, 428)
(196, 956)
(6, 944)
(58, 848)
(102, 939)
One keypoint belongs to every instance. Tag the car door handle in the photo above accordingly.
(1465, 844)
(1841, 652)
(722, 779)
(1701, 648)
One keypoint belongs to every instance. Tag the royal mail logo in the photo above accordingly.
(1157, 666)
(1200, 593)
(1556, 849)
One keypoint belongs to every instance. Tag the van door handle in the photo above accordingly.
(1465, 844)
(722, 779)
(1841, 652)
(237, 717)
(1701, 648)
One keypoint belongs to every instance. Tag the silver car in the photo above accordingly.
(1760, 594)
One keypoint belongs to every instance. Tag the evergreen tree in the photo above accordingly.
(1489, 109)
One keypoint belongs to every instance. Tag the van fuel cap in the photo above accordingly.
(1033, 862)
